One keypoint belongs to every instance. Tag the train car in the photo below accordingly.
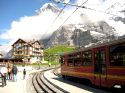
(103, 65)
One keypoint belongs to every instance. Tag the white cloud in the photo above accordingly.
(90, 2)
(31, 27)
(65, 1)
(119, 26)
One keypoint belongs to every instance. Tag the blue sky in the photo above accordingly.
(14, 9)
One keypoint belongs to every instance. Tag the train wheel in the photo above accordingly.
(63, 76)
(123, 87)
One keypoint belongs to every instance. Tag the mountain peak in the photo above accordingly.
(49, 6)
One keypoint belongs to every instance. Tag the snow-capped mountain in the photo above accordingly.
(9, 54)
(3, 51)
(49, 7)
(82, 35)
(117, 17)
(117, 8)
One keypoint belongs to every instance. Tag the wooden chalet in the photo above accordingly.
(31, 51)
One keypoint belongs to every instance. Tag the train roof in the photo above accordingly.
(113, 42)
(108, 43)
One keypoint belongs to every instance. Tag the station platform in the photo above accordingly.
(15, 87)
(20, 85)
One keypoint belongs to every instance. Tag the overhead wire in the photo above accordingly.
(56, 17)
(80, 6)
(71, 15)
(59, 14)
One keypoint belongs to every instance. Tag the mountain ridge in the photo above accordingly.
(100, 30)
(86, 34)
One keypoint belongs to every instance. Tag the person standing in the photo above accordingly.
(24, 73)
(3, 73)
(14, 72)
(8, 72)
(49, 64)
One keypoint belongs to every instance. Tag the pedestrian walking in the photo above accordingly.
(14, 72)
(24, 73)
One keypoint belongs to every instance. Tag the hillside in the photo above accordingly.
(50, 53)
(58, 50)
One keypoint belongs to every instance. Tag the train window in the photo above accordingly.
(87, 58)
(100, 61)
(77, 61)
(70, 60)
(103, 61)
(102, 57)
(117, 55)
(96, 61)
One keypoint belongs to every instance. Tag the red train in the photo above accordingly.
(102, 65)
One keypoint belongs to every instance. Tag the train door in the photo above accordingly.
(100, 67)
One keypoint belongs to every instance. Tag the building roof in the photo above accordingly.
(18, 41)
(27, 42)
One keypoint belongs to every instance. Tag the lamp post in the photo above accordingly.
(24, 60)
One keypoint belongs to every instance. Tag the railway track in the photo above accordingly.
(42, 85)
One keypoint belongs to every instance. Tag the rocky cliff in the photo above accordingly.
(81, 35)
